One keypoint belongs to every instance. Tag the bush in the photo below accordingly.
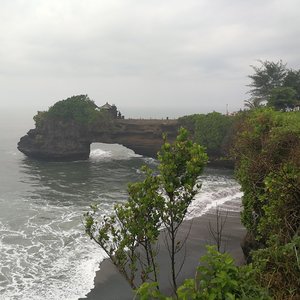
(78, 108)
(217, 278)
(278, 266)
(267, 149)
(212, 130)
(267, 140)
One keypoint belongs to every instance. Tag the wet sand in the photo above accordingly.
(110, 285)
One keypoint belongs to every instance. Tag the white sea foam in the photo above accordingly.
(44, 253)
(222, 192)
(100, 151)
(98, 154)
(54, 260)
(48, 260)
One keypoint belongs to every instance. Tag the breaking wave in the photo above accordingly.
(44, 253)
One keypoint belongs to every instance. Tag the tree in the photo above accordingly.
(216, 229)
(180, 165)
(292, 80)
(129, 236)
(283, 98)
(268, 76)
(78, 108)
(114, 111)
(252, 103)
(275, 85)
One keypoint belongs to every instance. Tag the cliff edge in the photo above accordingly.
(68, 140)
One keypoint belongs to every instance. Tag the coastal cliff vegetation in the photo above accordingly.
(264, 143)
(130, 236)
(274, 85)
(212, 130)
(267, 154)
(79, 109)
(266, 149)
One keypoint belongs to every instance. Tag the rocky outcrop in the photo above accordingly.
(62, 141)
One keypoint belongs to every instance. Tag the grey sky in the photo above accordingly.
(150, 58)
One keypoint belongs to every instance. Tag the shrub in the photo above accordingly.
(212, 130)
(267, 149)
(217, 278)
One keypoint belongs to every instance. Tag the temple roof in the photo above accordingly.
(106, 106)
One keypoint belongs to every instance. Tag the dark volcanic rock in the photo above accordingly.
(57, 141)
(62, 141)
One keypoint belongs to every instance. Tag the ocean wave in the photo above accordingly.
(101, 151)
(44, 252)
(51, 258)
(98, 154)
(216, 192)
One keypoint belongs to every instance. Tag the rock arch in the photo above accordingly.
(63, 141)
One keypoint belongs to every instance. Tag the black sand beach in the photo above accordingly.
(110, 285)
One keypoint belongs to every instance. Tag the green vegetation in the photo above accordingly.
(180, 166)
(79, 109)
(274, 84)
(134, 224)
(265, 144)
(283, 98)
(267, 151)
(266, 148)
(212, 130)
(217, 278)
(129, 236)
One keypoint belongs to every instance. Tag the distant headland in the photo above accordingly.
(66, 131)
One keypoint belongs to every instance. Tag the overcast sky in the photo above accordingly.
(150, 58)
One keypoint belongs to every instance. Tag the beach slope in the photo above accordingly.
(110, 285)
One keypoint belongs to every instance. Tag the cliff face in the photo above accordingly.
(62, 141)
(56, 141)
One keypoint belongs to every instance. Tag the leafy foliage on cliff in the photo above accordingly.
(267, 150)
(80, 109)
(212, 130)
(216, 278)
(129, 236)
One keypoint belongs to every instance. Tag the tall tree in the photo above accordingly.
(180, 165)
(283, 98)
(292, 80)
(129, 236)
(252, 103)
(267, 76)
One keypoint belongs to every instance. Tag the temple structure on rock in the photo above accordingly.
(111, 109)
(106, 106)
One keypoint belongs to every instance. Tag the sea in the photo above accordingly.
(44, 251)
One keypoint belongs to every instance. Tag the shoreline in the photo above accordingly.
(110, 285)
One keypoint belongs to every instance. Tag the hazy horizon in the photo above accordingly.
(151, 59)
